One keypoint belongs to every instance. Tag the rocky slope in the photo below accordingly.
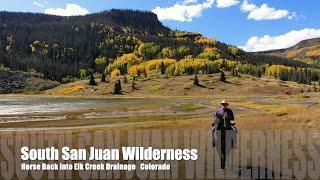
(15, 82)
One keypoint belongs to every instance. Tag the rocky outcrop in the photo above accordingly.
(12, 81)
(16, 82)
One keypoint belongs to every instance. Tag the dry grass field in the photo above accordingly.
(171, 105)
(158, 85)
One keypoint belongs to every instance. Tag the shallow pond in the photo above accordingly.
(34, 111)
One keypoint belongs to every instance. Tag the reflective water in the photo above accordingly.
(46, 112)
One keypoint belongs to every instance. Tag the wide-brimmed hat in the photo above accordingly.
(224, 102)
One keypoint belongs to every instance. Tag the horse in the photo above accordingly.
(225, 140)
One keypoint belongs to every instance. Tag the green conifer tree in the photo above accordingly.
(222, 77)
(196, 80)
(103, 77)
(117, 87)
(162, 68)
(92, 81)
(133, 84)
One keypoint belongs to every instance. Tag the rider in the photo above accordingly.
(223, 121)
(223, 117)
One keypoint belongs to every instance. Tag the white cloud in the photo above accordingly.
(70, 10)
(287, 40)
(226, 3)
(264, 12)
(246, 7)
(183, 12)
(186, 2)
(37, 4)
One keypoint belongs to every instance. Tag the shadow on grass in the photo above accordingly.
(200, 85)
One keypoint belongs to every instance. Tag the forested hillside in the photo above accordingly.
(120, 42)
(306, 51)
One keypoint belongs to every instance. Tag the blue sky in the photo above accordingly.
(250, 24)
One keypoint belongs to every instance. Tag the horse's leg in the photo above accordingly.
(223, 160)
(213, 140)
(223, 150)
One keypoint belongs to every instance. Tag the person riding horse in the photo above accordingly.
(223, 123)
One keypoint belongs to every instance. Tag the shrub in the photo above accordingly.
(148, 50)
(209, 53)
(183, 51)
(148, 66)
(233, 50)
(133, 70)
(206, 41)
(115, 72)
(170, 70)
(122, 63)
(67, 79)
(2, 68)
(156, 64)
(125, 79)
(36, 89)
(155, 87)
(191, 66)
(83, 73)
(167, 52)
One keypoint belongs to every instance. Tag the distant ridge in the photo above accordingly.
(306, 50)
(139, 20)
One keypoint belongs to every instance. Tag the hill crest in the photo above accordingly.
(307, 50)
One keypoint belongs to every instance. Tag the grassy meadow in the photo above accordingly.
(174, 104)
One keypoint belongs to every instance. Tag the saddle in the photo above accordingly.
(223, 126)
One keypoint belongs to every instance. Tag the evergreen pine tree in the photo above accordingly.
(282, 76)
(117, 87)
(196, 80)
(103, 77)
(162, 68)
(222, 77)
(133, 84)
(92, 81)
